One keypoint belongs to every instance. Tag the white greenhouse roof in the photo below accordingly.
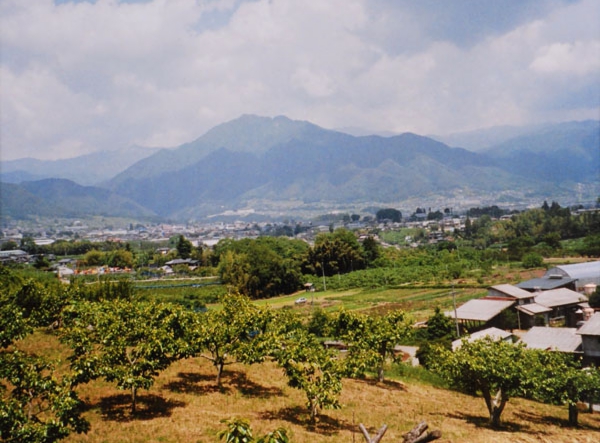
(577, 270)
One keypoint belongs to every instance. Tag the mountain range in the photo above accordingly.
(282, 166)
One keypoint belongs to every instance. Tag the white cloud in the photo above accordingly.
(579, 58)
(82, 76)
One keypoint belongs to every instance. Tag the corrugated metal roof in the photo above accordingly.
(545, 283)
(554, 339)
(495, 333)
(578, 270)
(480, 309)
(512, 291)
(592, 326)
(559, 297)
(533, 308)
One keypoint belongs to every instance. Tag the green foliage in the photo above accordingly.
(103, 290)
(94, 258)
(279, 435)
(334, 253)
(554, 377)
(184, 247)
(234, 334)
(428, 351)
(311, 368)
(591, 246)
(320, 323)
(238, 430)
(494, 368)
(120, 258)
(36, 407)
(41, 304)
(532, 260)
(371, 250)
(440, 326)
(261, 268)
(371, 339)
(123, 341)
(389, 214)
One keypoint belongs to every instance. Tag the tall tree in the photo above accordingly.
(184, 247)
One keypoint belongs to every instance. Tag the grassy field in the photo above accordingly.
(185, 406)
(420, 302)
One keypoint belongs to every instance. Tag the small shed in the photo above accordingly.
(480, 312)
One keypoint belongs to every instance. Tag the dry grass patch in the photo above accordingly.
(185, 406)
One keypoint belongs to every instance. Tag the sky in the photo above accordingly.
(78, 76)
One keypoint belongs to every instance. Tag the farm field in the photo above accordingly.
(184, 405)
(420, 302)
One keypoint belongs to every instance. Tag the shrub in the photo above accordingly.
(532, 260)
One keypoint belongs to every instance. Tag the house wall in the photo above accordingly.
(591, 345)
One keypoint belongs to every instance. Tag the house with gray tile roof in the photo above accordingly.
(564, 304)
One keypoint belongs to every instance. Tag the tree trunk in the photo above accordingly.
(219, 366)
(573, 414)
(133, 399)
(495, 417)
(380, 374)
(314, 409)
(495, 406)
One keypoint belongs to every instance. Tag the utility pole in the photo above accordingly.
(455, 315)
(323, 270)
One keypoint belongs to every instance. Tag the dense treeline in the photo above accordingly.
(542, 229)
